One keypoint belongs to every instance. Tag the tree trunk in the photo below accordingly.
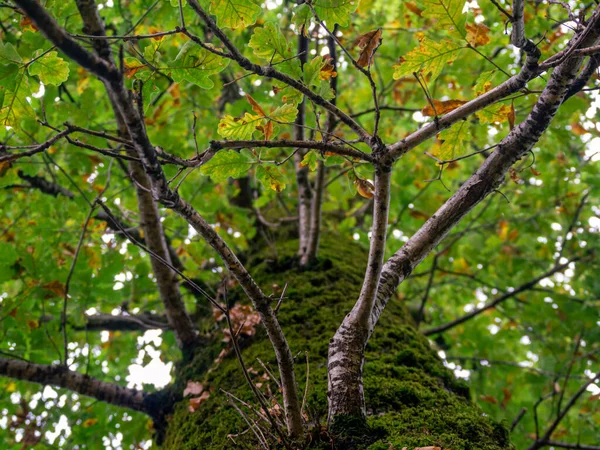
(412, 400)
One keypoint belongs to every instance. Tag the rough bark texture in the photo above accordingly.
(412, 400)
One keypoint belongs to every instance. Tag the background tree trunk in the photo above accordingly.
(412, 400)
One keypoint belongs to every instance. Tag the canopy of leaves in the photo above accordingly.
(546, 213)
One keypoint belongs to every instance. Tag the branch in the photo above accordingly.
(8, 157)
(545, 439)
(160, 190)
(131, 126)
(108, 322)
(45, 186)
(485, 181)
(270, 72)
(302, 181)
(571, 446)
(77, 382)
(498, 300)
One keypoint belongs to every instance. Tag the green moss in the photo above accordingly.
(412, 399)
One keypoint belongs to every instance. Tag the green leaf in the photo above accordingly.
(196, 65)
(271, 45)
(429, 59)
(227, 164)
(271, 177)
(448, 14)
(50, 68)
(312, 78)
(15, 106)
(496, 113)
(9, 54)
(335, 11)
(484, 82)
(285, 113)
(9, 257)
(239, 128)
(302, 17)
(310, 160)
(175, 3)
(235, 13)
(454, 140)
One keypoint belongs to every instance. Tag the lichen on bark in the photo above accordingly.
(412, 399)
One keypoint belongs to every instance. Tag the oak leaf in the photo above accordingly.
(368, 43)
(477, 34)
(441, 107)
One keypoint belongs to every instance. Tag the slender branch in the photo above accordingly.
(485, 181)
(8, 157)
(498, 300)
(545, 439)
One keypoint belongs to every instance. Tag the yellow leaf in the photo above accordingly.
(440, 108)
(32, 324)
(477, 34)
(12, 387)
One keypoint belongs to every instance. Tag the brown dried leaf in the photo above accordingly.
(255, 106)
(197, 401)
(413, 8)
(441, 107)
(477, 34)
(56, 287)
(488, 399)
(365, 188)
(513, 175)
(512, 116)
(368, 43)
(578, 129)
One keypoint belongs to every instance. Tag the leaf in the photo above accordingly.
(255, 106)
(442, 107)
(133, 66)
(302, 18)
(316, 73)
(196, 65)
(488, 399)
(484, 82)
(239, 128)
(284, 113)
(227, 164)
(413, 8)
(193, 388)
(269, 44)
(89, 422)
(9, 54)
(429, 59)
(477, 34)
(335, 11)
(448, 13)
(50, 68)
(365, 188)
(15, 106)
(496, 113)
(235, 13)
(271, 177)
(368, 43)
(310, 160)
(197, 401)
(512, 116)
(453, 140)
(55, 287)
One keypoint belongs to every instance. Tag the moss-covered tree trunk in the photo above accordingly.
(412, 400)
